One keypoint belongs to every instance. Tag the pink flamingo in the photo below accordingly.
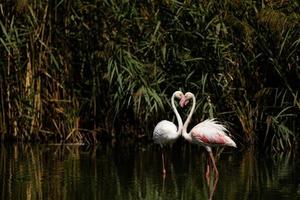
(207, 133)
(166, 132)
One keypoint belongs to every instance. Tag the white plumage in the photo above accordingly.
(165, 132)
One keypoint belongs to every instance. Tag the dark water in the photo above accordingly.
(105, 172)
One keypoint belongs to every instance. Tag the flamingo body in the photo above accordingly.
(211, 133)
(165, 132)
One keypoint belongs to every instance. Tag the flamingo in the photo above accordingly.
(166, 132)
(208, 133)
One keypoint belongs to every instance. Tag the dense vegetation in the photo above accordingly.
(79, 70)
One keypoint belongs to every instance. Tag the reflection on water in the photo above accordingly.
(79, 172)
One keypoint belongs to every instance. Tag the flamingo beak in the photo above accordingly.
(186, 102)
(183, 102)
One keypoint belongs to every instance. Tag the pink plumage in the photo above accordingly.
(211, 133)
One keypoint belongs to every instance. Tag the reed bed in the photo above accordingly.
(78, 71)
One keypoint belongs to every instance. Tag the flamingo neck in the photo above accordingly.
(179, 120)
(185, 134)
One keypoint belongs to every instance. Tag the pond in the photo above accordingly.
(134, 171)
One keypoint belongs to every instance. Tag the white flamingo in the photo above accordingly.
(166, 132)
(207, 133)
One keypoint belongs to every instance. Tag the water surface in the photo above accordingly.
(134, 172)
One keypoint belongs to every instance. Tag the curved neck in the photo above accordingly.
(185, 134)
(179, 120)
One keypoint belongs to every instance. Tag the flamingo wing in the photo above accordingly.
(165, 132)
(210, 132)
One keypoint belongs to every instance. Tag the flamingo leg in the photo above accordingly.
(214, 188)
(163, 163)
(207, 174)
(214, 163)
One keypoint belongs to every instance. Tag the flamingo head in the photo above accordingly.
(186, 99)
(179, 95)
